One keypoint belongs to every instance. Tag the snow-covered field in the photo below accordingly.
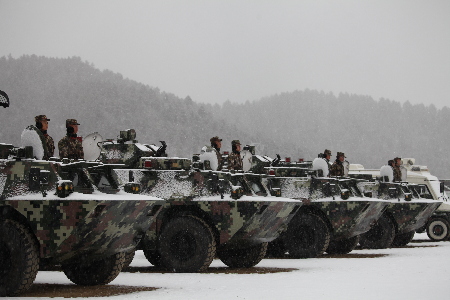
(420, 271)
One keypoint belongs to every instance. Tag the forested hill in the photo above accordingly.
(369, 132)
(297, 124)
(105, 102)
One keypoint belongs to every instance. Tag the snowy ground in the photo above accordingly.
(420, 271)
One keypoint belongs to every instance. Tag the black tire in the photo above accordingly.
(97, 272)
(129, 256)
(150, 253)
(243, 258)
(19, 258)
(403, 239)
(380, 236)
(276, 249)
(307, 236)
(438, 229)
(186, 244)
(343, 246)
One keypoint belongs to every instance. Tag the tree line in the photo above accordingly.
(297, 124)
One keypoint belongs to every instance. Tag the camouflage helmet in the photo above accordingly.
(327, 152)
(71, 122)
(235, 142)
(215, 139)
(41, 118)
(340, 154)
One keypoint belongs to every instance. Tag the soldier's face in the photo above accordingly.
(219, 144)
(75, 128)
(238, 147)
(44, 124)
(341, 158)
(397, 163)
(328, 156)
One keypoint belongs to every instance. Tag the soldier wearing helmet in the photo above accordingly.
(234, 159)
(42, 125)
(70, 146)
(337, 169)
(216, 143)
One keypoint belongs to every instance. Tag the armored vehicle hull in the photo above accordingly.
(207, 212)
(345, 220)
(44, 222)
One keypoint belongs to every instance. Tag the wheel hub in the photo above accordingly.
(183, 246)
(438, 230)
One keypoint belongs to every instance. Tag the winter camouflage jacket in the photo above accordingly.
(337, 169)
(70, 147)
(397, 173)
(235, 161)
(50, 146)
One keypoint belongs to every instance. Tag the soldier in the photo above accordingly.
(326, 157)
(397, 171)
(234, 159)
(70, 146)
(216, 143)
(42, 125)
(337, 169)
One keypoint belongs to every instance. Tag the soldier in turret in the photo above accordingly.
(326, 157)
(337, 169)
(234, 159)
(42, 125)
(216, 143)
(397, 171)
(70, 146)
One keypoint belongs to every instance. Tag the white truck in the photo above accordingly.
(424, 185)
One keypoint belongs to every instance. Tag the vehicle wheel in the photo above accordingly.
(343, 246)
(150, 253)
(438, 229)
(19, 258)
(243, 258)
(307, 236)
(129, 256)
(403, 239)
(276, 249)
(380, 236)
(187, 244)
(97, 272)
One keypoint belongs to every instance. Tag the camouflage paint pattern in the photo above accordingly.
(346, 218)
(66, 228)
(70, 147)
(350, 218)
(408, 212)
(412, 215)
(236, 223)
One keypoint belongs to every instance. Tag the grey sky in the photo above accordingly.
(244, 50)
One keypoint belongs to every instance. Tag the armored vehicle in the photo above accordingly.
(406, 212)
(207, 212)
(51, 213)
(334, 211)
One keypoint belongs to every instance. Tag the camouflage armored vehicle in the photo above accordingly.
(207, 213)
(45, 219)
(334, 212)
(423, 185)
(405, 214)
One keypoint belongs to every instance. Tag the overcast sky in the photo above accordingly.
(241, 50)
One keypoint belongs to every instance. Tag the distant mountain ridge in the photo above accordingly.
(299, 124)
